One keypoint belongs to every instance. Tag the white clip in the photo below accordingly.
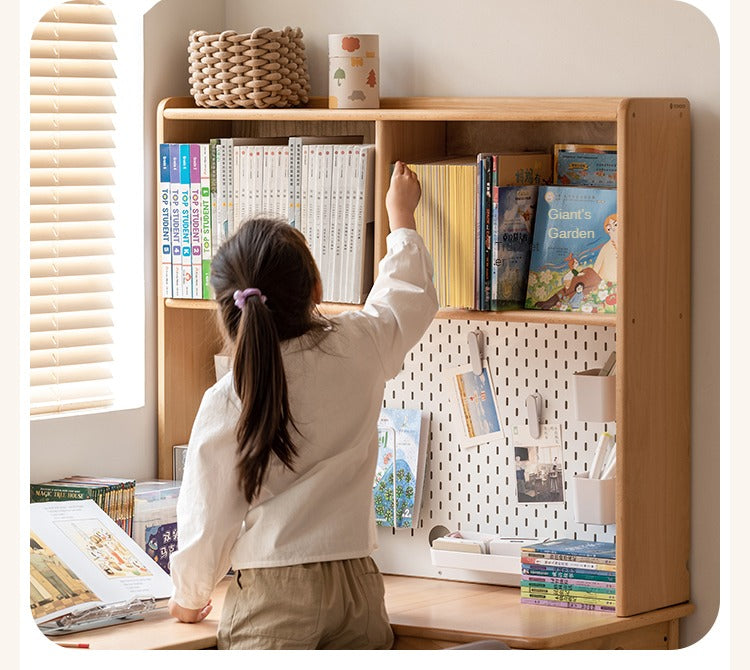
(476, 350)
(534, 409)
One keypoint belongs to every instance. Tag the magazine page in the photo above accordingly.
(81, 557)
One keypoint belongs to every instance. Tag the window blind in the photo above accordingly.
(72, 231)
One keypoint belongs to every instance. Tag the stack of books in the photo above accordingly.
(114, 495)
(569, 573)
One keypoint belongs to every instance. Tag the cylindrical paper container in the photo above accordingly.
(353, 72)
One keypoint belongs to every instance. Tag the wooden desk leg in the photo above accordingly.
(674, 634)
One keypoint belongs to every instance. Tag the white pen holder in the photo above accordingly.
(593, 500)
(594, 396)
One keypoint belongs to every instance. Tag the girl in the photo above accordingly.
(280, 465)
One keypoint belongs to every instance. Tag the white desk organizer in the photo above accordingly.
(593, 500)
(505, 564)
(594, 395)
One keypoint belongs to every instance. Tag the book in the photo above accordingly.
(522, 168)
(196, 226)
(563, 597)
(573, 264)
(591, 564)
(399, 473)
(174, 220)
(603, 551)
(164, 231)
(80, 558)
(555, 572)
(206, 234)
(513, 210)
(186, 260)
(155, 519)
(569, 605)
(585, 165)
(179, 454)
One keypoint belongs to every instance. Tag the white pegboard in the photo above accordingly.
(474, 489)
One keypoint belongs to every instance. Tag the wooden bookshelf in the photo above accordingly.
(653, 319)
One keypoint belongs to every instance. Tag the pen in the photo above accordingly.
(608, 366)
(77, 645)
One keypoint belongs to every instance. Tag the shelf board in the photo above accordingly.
(412, 109)
(511, 316)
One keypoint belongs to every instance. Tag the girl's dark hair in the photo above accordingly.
(273, 257)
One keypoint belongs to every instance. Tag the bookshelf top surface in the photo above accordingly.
(413, 109)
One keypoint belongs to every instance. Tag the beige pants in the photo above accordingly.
(329, 605)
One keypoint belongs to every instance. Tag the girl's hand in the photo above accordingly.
(187, 615)
(402, 197)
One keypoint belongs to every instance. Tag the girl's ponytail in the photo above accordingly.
(260, 383)
(264, 280)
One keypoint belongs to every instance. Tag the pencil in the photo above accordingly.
(77, 645)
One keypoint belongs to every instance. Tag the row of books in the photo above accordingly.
(514, 230)
(115, 496)
(324, 186)
(570, 573)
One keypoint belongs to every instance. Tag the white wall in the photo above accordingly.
(564, 48)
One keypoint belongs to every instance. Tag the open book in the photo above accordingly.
(399, 473)
(80, 559)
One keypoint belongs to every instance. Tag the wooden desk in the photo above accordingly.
(435, 614)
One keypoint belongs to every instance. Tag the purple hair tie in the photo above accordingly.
(240, 297)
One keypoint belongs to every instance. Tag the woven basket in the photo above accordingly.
(265, 68)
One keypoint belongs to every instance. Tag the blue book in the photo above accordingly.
(573, 263)
(164, 231)
(513, 209)
(570, 547)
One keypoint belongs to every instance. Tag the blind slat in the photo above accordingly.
(70, 248)
(70, 195)
(61, 304)
(50, 351)
(70, 267)
(65, 86)
(70, 177)
(72, 50)
(71, 230)
(53, 322)
(74, 32)
(85, 122)
(53, 67)
(57, 285)
(76, 158)
(53, 139)
(70, 213)
(74, 104)
(72, 12)
(79, 337)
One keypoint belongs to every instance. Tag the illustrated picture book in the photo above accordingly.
(399, 474)
(586, 165)
(573, 263)
(80, 558)
(155, 519)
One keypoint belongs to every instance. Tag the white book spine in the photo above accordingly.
(325, 218)
(294, 177)
(258, 176)
(353, 154)
(240, 185)
(286, 191)
(305, 208)
(164, 226)
(229, 183)
(223, 186)
(365, 210)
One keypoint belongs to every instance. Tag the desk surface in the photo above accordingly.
(419, 608)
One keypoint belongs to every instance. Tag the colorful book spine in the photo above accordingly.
(569, 557)
(185, 237)
(562, 597)
(174, 220)
(553, 582)
(555, 572)
(164, 230)
(206, 236)
(196, 233)
(564, 563)
(572, 589)
(212, 152)
(568, 605)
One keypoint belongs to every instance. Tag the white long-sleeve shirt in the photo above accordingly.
(321, 510)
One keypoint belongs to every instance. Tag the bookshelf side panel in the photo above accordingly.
(653, 366)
